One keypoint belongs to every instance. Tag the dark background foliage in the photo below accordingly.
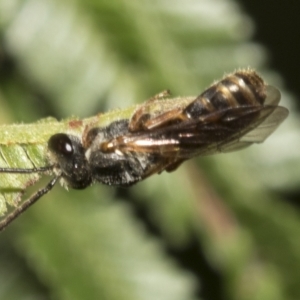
(277, 26)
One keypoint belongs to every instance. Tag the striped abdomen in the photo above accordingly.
(242, 88)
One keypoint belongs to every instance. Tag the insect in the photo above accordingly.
(157, 136)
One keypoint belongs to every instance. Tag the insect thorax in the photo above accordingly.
(118, 168)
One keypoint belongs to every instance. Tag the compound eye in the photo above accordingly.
(61, 144)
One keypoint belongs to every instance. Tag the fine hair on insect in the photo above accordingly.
(158, 135)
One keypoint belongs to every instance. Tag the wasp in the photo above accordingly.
(232, 114)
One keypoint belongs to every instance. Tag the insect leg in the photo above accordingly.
(26, 171)
(161, 95)
(174, 165)
(27, 203)
(142, 114)
(170, 117)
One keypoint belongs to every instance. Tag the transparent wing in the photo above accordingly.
(262, 127)
(232, 129)
(266, 128)
(272, 95)
(259, 132)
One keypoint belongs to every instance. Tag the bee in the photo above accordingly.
(232, 114)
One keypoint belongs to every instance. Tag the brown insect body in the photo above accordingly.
(230, 115)
(218, 120)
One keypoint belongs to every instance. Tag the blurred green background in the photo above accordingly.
(223, 227)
